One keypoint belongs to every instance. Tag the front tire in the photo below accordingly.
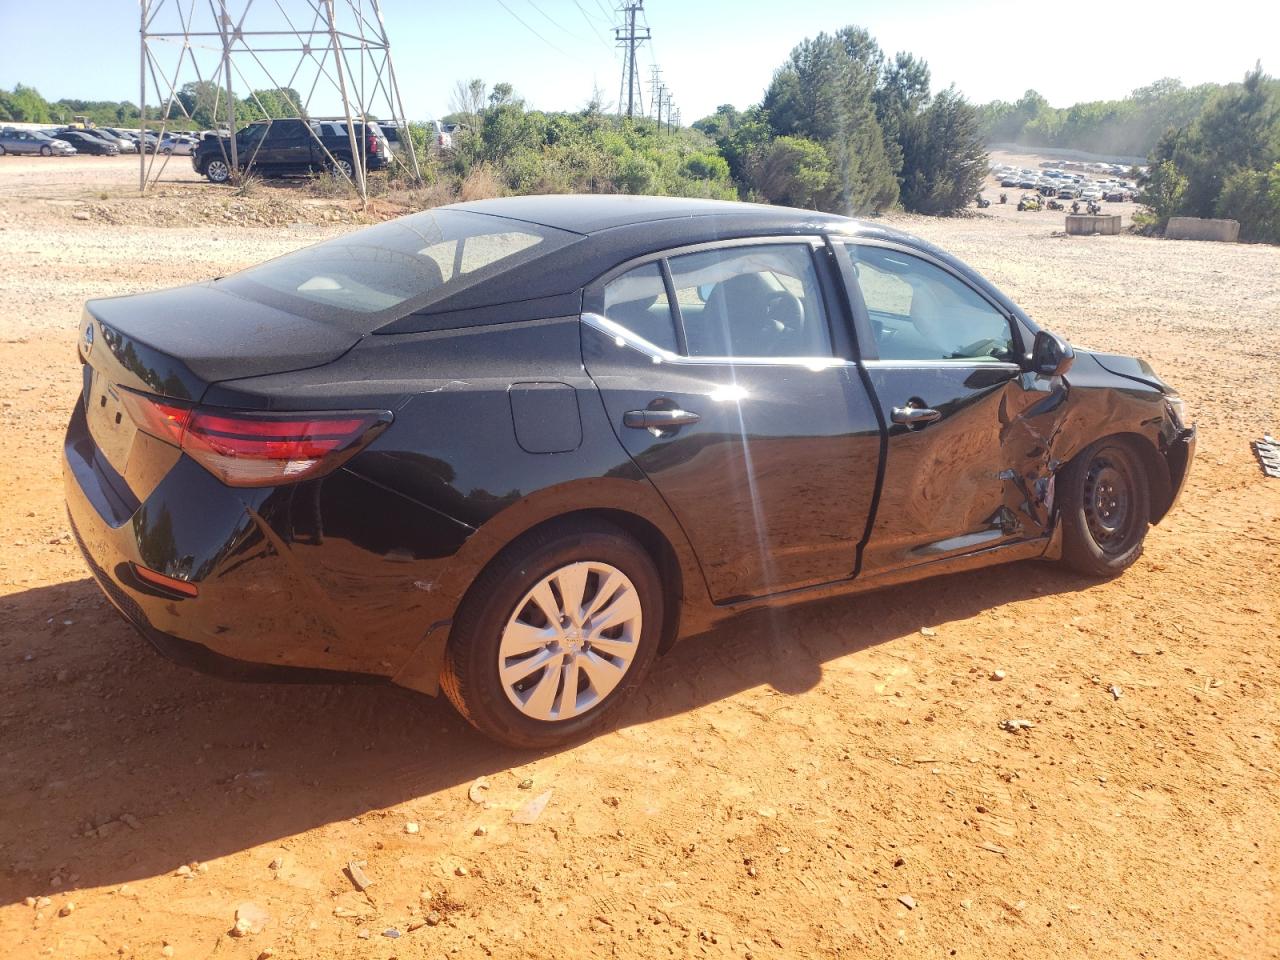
(1105, 508)
(554, 635)
(217, 171)
(46, 151)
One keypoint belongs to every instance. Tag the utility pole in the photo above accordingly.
(659, 100)
(655, 82)
(628, 39)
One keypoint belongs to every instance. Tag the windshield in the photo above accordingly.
(379, 274)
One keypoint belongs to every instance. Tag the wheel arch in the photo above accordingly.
(1154, 466)
(687, 609)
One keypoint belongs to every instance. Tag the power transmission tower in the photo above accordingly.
(295, 54)
(629, 38)
(659, 101)
(655, 83)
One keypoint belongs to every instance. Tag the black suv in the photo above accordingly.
(278, 147)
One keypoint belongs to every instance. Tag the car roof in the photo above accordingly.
(592, 213)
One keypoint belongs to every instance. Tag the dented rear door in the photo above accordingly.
(970, 435)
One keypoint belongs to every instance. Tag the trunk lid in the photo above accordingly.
(175, 343)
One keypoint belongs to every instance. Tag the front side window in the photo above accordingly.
(751, 301)
(637, 300)
(921, 312)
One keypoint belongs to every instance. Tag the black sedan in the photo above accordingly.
(87, 143)
(514, 449)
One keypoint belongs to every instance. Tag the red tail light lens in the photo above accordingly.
(251, 449)
(373, 144)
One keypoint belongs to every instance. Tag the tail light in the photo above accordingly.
(373, 143)
(251, 449)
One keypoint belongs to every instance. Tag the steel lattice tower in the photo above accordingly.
(303, 52)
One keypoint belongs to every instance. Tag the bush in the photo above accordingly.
(1253, 198)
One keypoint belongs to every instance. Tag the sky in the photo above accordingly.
(556, 52)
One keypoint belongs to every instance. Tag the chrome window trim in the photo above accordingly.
(951, 362)
(624, 337)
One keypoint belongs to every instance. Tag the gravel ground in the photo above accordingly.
(821, 782)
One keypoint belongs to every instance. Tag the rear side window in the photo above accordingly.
(638, 301)
(751, 301)
(364, 279)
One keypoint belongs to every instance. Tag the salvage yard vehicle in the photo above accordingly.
(281, 147)
(513, 449)
(85, 142)
(32, 142)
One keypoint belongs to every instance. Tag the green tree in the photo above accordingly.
(793, 171)
(944, 159)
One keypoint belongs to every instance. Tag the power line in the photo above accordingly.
(551, 20)
(591, 23)
(524, 24)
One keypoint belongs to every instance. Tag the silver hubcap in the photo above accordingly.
(570, 641)
(218, 171)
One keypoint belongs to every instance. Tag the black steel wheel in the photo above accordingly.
(1105, 508)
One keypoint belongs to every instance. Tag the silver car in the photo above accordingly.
(32, 142)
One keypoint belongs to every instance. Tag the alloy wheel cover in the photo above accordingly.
(570, 641)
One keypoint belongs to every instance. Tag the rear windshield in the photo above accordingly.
(373, 276)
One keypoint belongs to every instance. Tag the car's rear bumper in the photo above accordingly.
(288, 587)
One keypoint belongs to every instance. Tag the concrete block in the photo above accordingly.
(1198, 228)
(1086, 224)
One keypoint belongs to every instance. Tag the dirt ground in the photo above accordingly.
(829, 781)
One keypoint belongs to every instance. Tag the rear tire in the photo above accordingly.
(508, 667)
(341, 167)
(1104, 507)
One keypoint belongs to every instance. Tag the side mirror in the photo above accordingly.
(1051, 356)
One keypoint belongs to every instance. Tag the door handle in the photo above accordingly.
(659, 419)
(915, 416)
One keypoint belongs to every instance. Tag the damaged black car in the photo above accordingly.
(514, 449)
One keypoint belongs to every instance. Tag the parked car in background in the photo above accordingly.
(33, 143)
(514, 449)
(123, 144)
(1068, 193)
(85, 142)
(178, 144)
(281, 147)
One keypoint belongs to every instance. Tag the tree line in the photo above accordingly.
(1224, 162)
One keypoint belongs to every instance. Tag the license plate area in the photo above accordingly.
(110, 425)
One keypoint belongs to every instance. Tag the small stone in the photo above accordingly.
(1016, 726)
(66, 909)
(900, 862)
(202, 868)
(363, 933)
(907, 901)
(410, 827)
(997, 675)
(425, 896)
(433, 919)
(42, 902)
(415, 925)
(266, 954)
(275, 864)
(526, 784)
(30, 901)
(480, 831)
(166, 950)
(62, 676)
(130, 821)
(752, 872)
(980, 808)
(928, 632)
(461, 871)
(1115, 691)
(358, 876)
(966, 903)
(391, 933)
(241, 929)
(182, 871)
(250, 918)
